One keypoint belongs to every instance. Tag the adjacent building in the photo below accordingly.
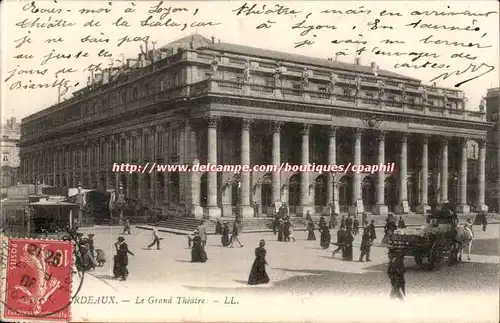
(9, 145)
(197, 100)
(492, 104)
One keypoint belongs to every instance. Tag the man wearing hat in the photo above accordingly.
(203, 234)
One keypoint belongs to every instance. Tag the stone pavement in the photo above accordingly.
(303, 276)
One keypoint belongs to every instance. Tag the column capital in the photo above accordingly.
(425, 138)
(277, 125)
(358, 132)
(404, 137)
(246, 124)
(463, 142)
(332, 131)
(133, 133)
(159, 128)
(212, 122)
(306, 128)
(482, 143)
(444, 140)
(382, 135)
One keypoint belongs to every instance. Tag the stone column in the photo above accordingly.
(333, 195)
(424, 177)
(381, 208)
(305, 203)
(356, 190)
(276, 177)
(213, 209)
(444, 171)
(403, 207)
(482, 176)
(246, 210)
(463, 207)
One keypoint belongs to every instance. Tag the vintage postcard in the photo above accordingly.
(249, 161)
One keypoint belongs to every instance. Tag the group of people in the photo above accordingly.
(283, 227)
(229, 237)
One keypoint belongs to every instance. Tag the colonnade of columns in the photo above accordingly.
(332, 187)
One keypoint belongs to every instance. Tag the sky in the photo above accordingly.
(316, 23)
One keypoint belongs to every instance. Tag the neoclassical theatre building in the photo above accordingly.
(198, 100)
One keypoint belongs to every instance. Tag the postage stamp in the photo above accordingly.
(36, 280)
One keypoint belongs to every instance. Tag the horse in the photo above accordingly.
(463, 238)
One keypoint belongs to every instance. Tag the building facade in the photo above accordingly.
(196, 100)
(9, 145)
(492, 105)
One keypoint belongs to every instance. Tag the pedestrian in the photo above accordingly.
(364, 220)
(333, 221)
(235, 235)
(225, 234)
(310, 230)
(198, 253)
(275, 223)
(308, 216)
(126, 227)
(365, 245)
(190, 239)
(349, 222)
(281, 224)
(484, 220)
(90, 237)
(218, 227)
(291, 236)
(203, 233)
(286, 231)
(373, 233)
(156, 239)
(343, 222)
(349, 238)
(355, 225)
(401, 223)
(258, 274)
(341, 233)
(325, 236)
(395, 272)
(121, 259)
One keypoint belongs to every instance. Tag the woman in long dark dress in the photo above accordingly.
(325, 236)
(347, 253)
(310, 230)
(258, 274)
(121, 259)
(225, 235)
(280, 230)
(198, 253)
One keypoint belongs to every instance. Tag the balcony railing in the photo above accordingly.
(238, 87)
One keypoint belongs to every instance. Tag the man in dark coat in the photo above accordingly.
(373, 233)
(340, 240)
(347, 254)
(365, 245)
(355, 224)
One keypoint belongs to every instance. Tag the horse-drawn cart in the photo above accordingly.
(439, 241)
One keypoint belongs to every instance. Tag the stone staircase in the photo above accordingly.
(180, 223)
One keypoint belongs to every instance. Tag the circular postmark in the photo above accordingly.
(39, 277)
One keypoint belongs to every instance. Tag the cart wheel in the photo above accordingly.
(418, 260)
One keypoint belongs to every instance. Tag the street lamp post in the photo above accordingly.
(120, 202)
(80, 203)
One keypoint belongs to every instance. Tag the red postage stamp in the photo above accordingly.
(37, 282)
